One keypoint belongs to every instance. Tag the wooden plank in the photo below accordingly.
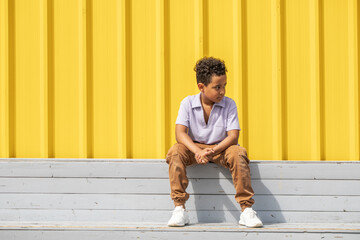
(163, 202)
(163, 216)
(181, 235)
(199, 227)
(159, 169)
(161, 186)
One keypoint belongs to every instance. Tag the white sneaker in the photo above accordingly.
(248, 218)
(179, 217)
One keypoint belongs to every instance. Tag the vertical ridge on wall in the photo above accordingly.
(50, 78)
(314, 80)
(277, 89)
(129, 78)
(284, 150)
(322, 80)
(160, 78)
(88, 76)
(122, 79)
(4, 79)
(83, 84)
(167, 82)
(12, 76)
(244, 75)
(44, 120)
(353, 80)
(237, 71)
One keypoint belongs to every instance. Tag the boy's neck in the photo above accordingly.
(209, 104)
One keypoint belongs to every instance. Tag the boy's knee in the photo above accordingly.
(237, 152)
(177, 149)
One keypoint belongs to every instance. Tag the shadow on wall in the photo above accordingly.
(215, 199)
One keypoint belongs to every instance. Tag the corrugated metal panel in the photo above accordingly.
(95, 79)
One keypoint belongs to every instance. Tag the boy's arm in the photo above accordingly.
(202, 156)
(184, 138)
(231, 139)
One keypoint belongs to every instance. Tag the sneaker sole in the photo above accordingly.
(178, 225)
(250, 226)
(173, 225)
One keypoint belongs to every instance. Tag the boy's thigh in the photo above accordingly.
(180, 151)
(232, 152)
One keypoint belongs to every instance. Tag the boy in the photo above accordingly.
(207, 130)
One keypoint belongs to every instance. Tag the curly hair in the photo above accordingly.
(206, 67)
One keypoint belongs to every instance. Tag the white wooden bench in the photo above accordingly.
(129, 199)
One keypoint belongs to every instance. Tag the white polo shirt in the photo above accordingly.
(223, 118)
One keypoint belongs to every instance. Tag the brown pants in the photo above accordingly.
(234, 157)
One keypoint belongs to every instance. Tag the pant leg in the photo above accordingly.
(235, 158)
(178, 158)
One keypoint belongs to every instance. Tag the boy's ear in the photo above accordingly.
(201, 86)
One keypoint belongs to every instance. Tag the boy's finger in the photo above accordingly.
(209, 152)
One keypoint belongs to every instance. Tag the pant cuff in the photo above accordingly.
(245, 205)
(177, 203)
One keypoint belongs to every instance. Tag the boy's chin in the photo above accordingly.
(217, 100)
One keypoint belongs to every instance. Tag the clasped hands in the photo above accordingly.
(205, 155)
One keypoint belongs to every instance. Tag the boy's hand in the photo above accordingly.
(204, 156)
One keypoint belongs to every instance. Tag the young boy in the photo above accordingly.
(207, 130)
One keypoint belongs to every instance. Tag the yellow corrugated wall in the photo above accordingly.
(104, 79)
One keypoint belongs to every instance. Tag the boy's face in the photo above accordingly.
(215, 90)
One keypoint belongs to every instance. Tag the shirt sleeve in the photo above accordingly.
(232, 119)
(183, 115)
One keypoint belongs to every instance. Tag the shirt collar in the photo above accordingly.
(197, 103)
